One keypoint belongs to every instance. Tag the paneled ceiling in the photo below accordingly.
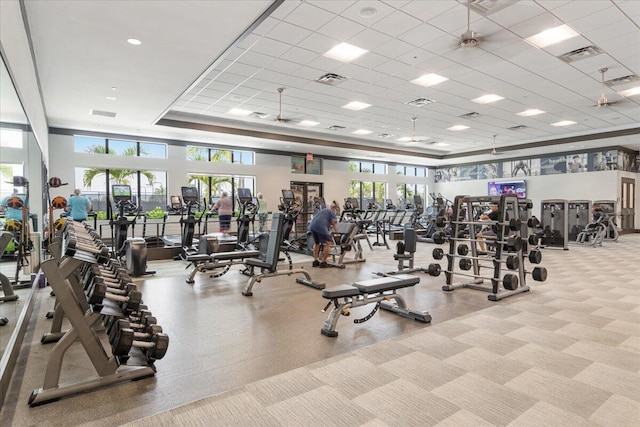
(201, 62)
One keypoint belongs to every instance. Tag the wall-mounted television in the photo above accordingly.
(517, 188)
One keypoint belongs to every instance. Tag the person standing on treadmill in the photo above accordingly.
(78, 206)
(320, 228)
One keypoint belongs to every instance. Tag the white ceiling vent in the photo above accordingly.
(487, 7)
(472, 115)
(420, 102)
(330, 79)
(518, 127)
(582, 53)
(336, 127)
(622, 80)
(102, 113)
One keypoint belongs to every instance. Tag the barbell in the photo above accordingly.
(512, 243)
(513, 224)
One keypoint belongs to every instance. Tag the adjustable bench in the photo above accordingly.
(217, 260)
(367, 292)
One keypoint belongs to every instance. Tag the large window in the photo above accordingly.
(365, 191)
(212, 186)
(418, 171)
(10, 138)
(202, 154)
(7, 172)
(87, 144)
(405, 194)
(149, 188)
(368, 167)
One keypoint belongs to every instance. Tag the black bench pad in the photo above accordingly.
(198, 257)
(387, 283)
(340, 291)
(223, 256)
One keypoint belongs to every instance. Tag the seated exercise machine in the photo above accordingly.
(266, 259)
(405, 253)
(364, 292)
(291, 209)
(351, 212)
(132, 251)
(343, 242)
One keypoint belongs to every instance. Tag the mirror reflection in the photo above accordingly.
(20, 203)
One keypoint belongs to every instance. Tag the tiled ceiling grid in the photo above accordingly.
(407, 39)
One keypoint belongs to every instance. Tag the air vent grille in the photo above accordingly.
(518, 127)
(472, 115)
(102, 113)
(330, 79)
(583, 52)
(622, 80)
(420, 102)
(336, 127)
(487, 7)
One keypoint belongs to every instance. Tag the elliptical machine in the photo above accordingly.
(131, 251)
(188, 224)
(291, 209)
(246, 219)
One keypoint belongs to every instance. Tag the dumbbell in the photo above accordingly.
(512, 262)
(140, 332)
(129, 303)
(535, 256)
(154, 349)
(509, 281)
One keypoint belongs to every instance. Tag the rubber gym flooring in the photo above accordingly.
(566, 353)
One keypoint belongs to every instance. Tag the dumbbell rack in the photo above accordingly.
(464, 205)
(84, 322)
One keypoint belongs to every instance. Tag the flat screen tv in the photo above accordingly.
(517, 188)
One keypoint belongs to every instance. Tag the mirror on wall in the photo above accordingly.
(20, 156)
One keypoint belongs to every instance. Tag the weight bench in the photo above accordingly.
(203, 263)
(364, 292)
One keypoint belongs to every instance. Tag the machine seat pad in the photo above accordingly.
(345, 227)
(255, 262)
(198, 257)
(224, 256)
(340, 291)
(387, 283)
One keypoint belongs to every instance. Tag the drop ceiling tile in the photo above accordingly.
(568, 46)
(309, 16)
(590, 66)
(289, 33)
(340, 28)
(394, 48)
(350, 70)
(612, 34)
(421, 34)
(371, 76)
(578, 9)
(425, 10)
(267, 46)
(630, 8)
(552, 4)
(371, 60)
(369, 39)
(353, 12)
(285, 9)
(454, 20)
(535, 25)
(324, 63)
(299, 56)
(318, 43)
(516, 13)
(397, 23)
(416, 56)
(254, 59)
(266, 26)
(335, 6)
(285, 67)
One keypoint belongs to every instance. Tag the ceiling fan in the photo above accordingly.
(280, 118)
(494, 150)
(469, 38)
(603, 101)
(414, 138)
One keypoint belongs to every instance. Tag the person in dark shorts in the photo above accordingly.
(320, 228)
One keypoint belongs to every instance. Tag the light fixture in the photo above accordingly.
(458, 127)
(345, 52)
(430, 79)
(563, 123)
(239, 112)
(134, 42)
(405, 139)
(552, 36)
(530, 112)
(362, 132)
(356, 106)
(487, 99)
(111, 98)
(630, 92)
(308, 123)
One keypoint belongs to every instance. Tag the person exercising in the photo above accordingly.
(78, 206)
(224, 206)
(492, 232)
(320, 228)
(263, 213)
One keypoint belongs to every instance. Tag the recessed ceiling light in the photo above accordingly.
(552, 36)
(362, 132)
(345, 52)
(530, 112)
(356, 106)
(111, 98)
(486, 99)
(458, 127)
(631, 92)
(308, 123)
(239, 112)
(429, 80)
(563, 123)
(134, 42)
